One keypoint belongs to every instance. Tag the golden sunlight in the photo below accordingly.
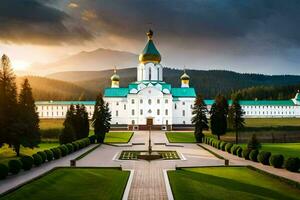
(19, 64)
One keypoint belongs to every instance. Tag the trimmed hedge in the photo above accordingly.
(49, 154)
(3, 171)
(239, 152)
(64, 150)
(292, 164)
(56, 153)
(14, 166)
(253, 155)
(276, 160)
(27, 162)
(37, 159)
(223, 146)
(234, 149)
(228, 147)
(92, 139)
(246, 152)
(263, 157)
(43, 156)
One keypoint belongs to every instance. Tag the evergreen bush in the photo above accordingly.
(14, 166)
(276, 160)
(43, 156)
(27, 162)
(56, 153)
(253, 155)
(234, 149)
(239, 152)
(246, 153)
(37, 159)
(228, 147)
(92, 139)
(70, 148)
(75, 146)
(64, 150)
(49, 154)
(292, 164)
(223, 145)
(263, 157)
(3, 171)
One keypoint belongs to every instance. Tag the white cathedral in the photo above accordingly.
(151, 101)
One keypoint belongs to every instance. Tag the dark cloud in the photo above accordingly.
(30, 21)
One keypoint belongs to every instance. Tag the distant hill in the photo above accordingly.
(50, 89)
(208, 83)
(88, 60)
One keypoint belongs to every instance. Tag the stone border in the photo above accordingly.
(128, 185)
(215, 154)
(167, 184)
(86, 153)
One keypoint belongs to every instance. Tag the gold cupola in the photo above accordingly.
(115, 79)
(150, 53)
(185, 80)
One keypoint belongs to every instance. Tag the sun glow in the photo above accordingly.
(20, 64)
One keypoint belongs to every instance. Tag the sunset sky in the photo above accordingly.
(259, 36)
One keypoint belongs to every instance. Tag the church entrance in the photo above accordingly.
(149, 122)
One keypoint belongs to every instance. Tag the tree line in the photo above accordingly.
(222, 117)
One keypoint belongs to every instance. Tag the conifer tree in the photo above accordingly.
(235, 117)
(101, 118)
(68, 133)
(81, 122)
(199, 119)
(27, 132)
(8, 101)
(218, 116)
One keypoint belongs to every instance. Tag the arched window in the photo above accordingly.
(149, 101)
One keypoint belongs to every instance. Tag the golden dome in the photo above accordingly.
(115, 76)
(185, 76)
(150, 53)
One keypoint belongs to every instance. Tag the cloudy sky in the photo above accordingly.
(259, 36)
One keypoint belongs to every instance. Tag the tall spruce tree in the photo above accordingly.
(68, 133)
(235, 118)
(199, 119)
(101, 118)
(218, 116)
(8, 101)
(28, 132)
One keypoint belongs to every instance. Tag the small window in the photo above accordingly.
(166, 112)
(158, 101)
(166, 101)
(141, 101)
(132, 122)
(183, 103)
(132, 112)
(141, 112)
(149, 101)
(175, 106)
(117, 113)
(132, 101)
(117, 103)
(183, 113)
(183, 122)
(158, 112)
(124, 106)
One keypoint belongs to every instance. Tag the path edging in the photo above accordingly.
(167, 184)
(128, 186)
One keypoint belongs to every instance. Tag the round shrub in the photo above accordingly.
(64, 150)
(75, 146)
(3, 171)
(49, 154)
(276, 160)
(37, 159)
(27, 162)
(246, 153)
(223, 146)
(43, 156)
(14, 166)
(239, 152)
(253, 155)
(263, 157)
(56, 153)
(70, 147)
(234, 149)
(292, 164)
(228, 147)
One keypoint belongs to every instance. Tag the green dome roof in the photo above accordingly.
(150, 53)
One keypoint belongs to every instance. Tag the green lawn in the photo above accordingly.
(272, 122)
(76, 184)
(286, 149)
(228, 183)
(181, 137)
(118, 137)
(7, 153)
(51, 123)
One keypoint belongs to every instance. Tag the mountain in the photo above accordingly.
(50, 89)
(88, 60)
(208, 83)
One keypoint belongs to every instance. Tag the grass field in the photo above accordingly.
(181, 137)
(51, 123)
(72, 183)
(286, 149)
(272, 122)
(7, 153)
(118, 137)
(228, 183)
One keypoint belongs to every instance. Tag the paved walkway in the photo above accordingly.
(235, 160)
(16, 180)
(148, 180)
